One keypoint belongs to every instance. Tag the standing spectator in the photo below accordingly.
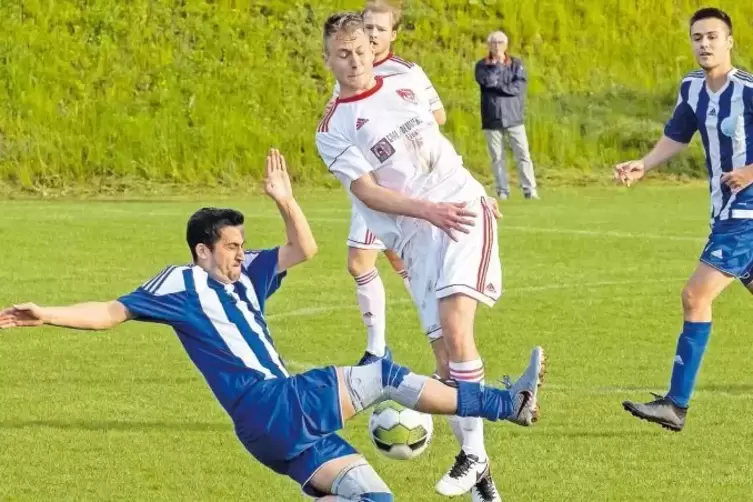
(503, 90)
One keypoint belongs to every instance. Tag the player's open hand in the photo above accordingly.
(451, 217)
(628, 173)
(19, 316)
(276, 180)
(738, 179)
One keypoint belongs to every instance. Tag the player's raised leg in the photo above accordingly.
(363, 386)
(699, 293)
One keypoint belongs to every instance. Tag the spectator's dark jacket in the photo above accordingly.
(503, 91)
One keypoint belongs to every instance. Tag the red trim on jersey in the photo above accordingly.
(486, 249)
(402, 61)
(363, 95)
(386, 58)
(324, 124)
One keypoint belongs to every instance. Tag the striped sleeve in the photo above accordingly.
(260, 267)
(683, 124)
(160, 299)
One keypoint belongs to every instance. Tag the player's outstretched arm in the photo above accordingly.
(89, 316)
(633, 170)
(301, 245)
(448, 216)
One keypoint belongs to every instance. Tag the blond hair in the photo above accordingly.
(345, 22)
(393, 8)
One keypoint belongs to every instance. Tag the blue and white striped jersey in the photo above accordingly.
(724, 120)
(221, 326)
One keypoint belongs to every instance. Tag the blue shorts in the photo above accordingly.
(730, 249)
(289, 424)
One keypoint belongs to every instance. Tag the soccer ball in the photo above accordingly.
(399, 432)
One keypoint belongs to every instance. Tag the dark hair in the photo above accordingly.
(348, 22)
(205, 225)
(712, 13)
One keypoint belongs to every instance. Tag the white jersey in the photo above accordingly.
(390, 132)
(393, 65)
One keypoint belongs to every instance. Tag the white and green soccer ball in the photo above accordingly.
(399, 432)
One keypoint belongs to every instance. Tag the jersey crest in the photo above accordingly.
(407, 95)
(383, 150)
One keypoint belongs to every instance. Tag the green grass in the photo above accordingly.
(593, 275)
(107, 94)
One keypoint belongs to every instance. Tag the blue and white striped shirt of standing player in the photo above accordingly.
(724, 120)
(221, 326)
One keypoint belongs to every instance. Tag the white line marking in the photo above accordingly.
(595, 233)
(543, 230)
(325, 309)
(157, 210)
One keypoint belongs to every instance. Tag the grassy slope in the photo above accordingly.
(194, 92)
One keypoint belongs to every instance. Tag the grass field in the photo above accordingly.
(592, 274)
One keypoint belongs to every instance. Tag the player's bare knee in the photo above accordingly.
(359, 481)
(694, 300)
(457, 314)
(360, 261)
(459, 344)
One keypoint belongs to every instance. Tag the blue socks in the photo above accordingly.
(477, 400)
(690, 348)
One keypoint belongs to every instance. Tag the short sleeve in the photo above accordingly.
(260, 267)
(345, 160)
(683, 124)
(161, 299)
(427, 88)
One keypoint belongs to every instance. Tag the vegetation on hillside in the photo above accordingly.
(193, 92)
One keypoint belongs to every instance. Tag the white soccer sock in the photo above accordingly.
(371, 300)
(469, 431)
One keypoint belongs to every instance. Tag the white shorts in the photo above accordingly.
(439, 267)
(360, 236)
